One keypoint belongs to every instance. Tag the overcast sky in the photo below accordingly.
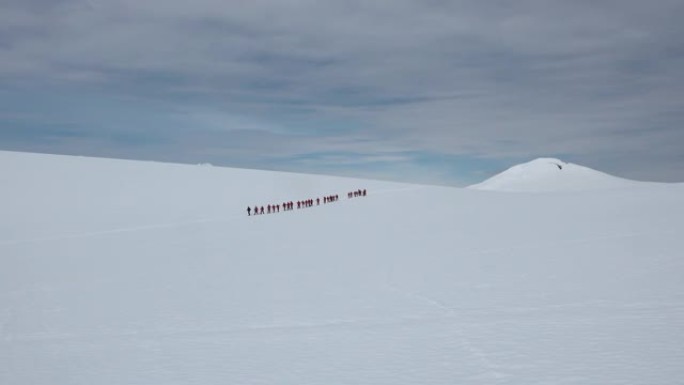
(446, 92)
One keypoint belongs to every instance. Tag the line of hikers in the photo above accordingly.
(287, 206)
(357, 193)
(270, 208)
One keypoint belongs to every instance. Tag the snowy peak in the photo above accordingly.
(550, 174)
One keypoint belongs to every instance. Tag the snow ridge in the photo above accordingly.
(551, 174)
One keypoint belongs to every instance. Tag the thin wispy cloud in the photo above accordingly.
(269, 84)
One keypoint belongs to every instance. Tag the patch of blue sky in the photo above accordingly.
(409, 166)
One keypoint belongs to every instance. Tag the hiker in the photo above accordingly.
(249, 211)
(262, 209)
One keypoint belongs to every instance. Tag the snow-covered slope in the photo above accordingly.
(120, 272)
(549, 174)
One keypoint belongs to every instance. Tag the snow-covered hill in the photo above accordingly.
(549, 174)
(121, 272)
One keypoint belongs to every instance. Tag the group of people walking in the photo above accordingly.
(357, 193)
(287, 206)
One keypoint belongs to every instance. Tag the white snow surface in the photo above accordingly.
(123, 272)
(550, 174)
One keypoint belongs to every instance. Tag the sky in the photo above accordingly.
(439, 92)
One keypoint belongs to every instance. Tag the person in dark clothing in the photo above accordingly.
(249, 211)
(262, 209)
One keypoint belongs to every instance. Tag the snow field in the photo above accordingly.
(134, 272)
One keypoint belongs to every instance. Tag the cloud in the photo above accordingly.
(595, 82)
